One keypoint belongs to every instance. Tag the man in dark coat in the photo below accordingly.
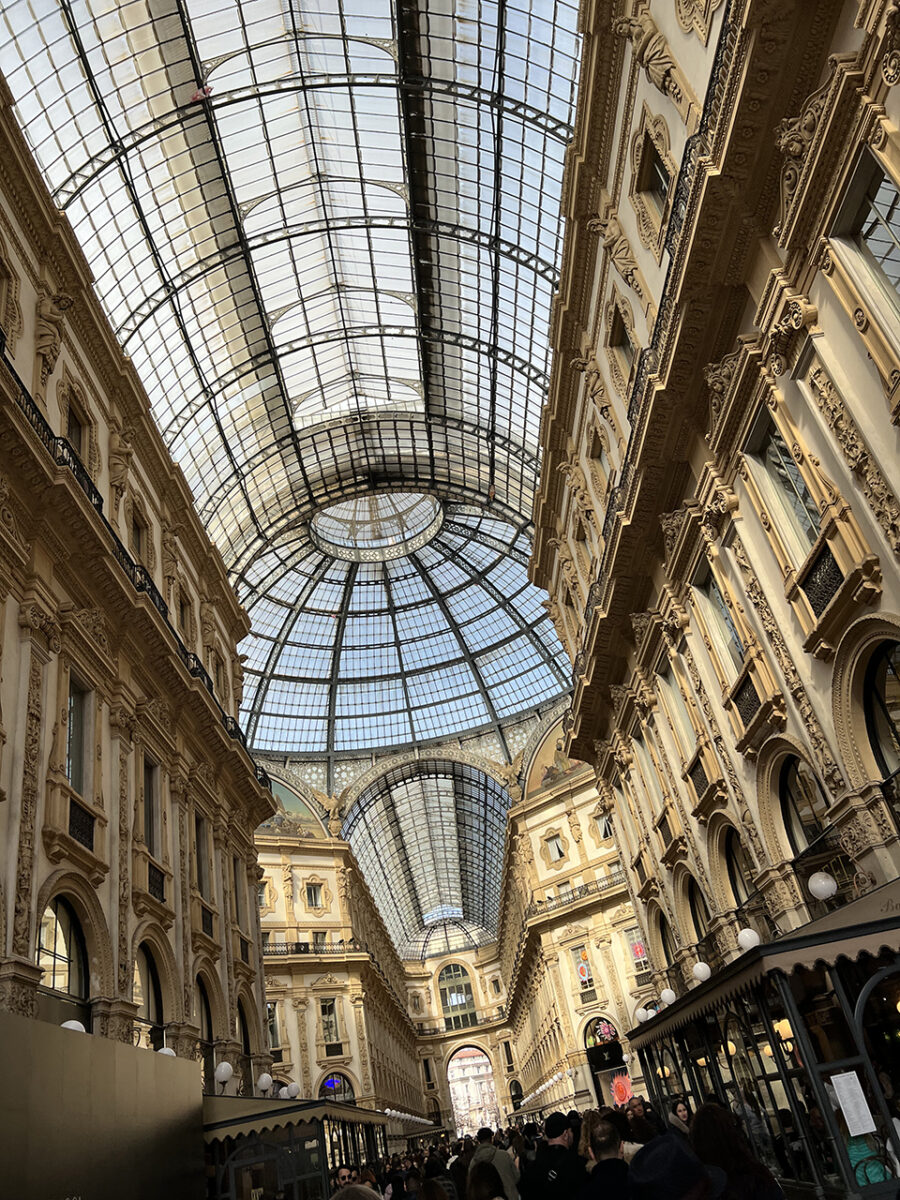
(609, 1177)
(557, 1170)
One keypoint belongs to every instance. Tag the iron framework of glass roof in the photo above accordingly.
(428, 837)
(327, 233)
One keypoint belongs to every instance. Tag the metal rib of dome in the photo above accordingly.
(349, 656)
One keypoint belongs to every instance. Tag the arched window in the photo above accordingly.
(337, 1087)
(203, 1018)
(516, 1094)
(147, 995)
(668, 941)
(62, 956)
(699, 909)
(882, 706)
(457, 997)
(740, 870)
(803, 804)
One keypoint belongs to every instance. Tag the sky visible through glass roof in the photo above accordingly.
(327, 233)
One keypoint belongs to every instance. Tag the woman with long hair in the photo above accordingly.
(717, 1141)
(485, 1183)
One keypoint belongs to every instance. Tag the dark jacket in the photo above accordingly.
(555, 1172)
(506, 1168)
(609, 1179)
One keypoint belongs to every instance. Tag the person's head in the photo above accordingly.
(635, 1107)
(606, 1141)
(432, 1190)
(342, 1175)
(413, 1181)
(717, 1139)
(368, 1179)
(666, 1169)
(485, 1182)
(485, 1135)
(557, 1130)
(680, 1110)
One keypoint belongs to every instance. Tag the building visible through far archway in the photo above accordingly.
(472, 1090)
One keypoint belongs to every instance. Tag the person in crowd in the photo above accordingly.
(369, 1179)
(667, 1169)
(617, 1118)
(354, 1191)
(414, 1181)
(343, 1176)
(459, 1166)
(506, 1168)
(718, 1141)
(643, 1130)
(436, 1172)
(609, 1176)
(680, 1119)
(395, 1180)
(869, 1160)
(574, 1119)
(748, 1110)
(558, 1170)
(485, 1182)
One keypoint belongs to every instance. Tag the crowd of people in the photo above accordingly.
(607, 1153)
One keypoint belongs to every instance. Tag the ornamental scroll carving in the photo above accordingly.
(577, 485)
(640, 623)
(619, 252)
(652, 52)
(794, 138)
(696, 15)
(672, 523)
(829, 769)
(880, 496)
(719, 377)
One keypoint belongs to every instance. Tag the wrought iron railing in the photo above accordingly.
(753, 914)
(595, 886)
(81, 825)
(64, 454)
(277, 949)
(156, 883)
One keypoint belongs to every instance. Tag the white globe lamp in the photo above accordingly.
(293, 1090)
(74, 1025)
(166, 1051)
(667, 996)
(822, 885)
(748, 939)
(264, 1083)
(701, 972)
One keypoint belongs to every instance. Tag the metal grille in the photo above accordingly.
(206, 921)
(665, 831)
(823, 580)
(156, 883)
(697, 776)
(81, 825)
(746, 701)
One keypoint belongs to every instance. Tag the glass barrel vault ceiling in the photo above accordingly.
(327, 232)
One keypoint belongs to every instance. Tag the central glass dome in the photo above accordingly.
(377, 526)
(354, 649)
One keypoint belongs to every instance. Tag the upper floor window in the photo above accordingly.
(62, 954)
(722, 627)
(138, 536)
(273, 1025)
(583, 968)
(147, 995)
(882, 706)
(653, 177)
(555, 847)
(331, 1034)
(796, 513)
(698, 908)
(76, 735)
(638, 948)
(676, 709)
(457, 997)
(75, 431)
(604, 826)
(803, 803)
(151, 808)
(237, 870)
(201, 844)
(621, 343)
(319, 939)
(740, 870)
(877, 224)
(314, 895)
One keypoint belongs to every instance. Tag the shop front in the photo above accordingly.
(267, 1150)
(801, 1039)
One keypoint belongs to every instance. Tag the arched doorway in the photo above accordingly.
(472, 1091)
(604, 1055)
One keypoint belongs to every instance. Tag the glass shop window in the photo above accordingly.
(882, 706)
(803, 804)
(62, 954)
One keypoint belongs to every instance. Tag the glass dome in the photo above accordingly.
(350, 655)
(377, 526)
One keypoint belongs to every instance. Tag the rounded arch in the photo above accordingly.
(83, 899)
(731, 863)
(469, 1044)
(245, 1003)
(343, 1071)
(204, 970)
(770, 764)
(152, 935)
(663, 941)
(415, 759)
(851, 660)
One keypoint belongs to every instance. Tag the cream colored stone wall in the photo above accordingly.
(108, 586)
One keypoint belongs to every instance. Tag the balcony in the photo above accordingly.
(594, 888)
(825, 853)
(297, 946)
(424, 1030)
